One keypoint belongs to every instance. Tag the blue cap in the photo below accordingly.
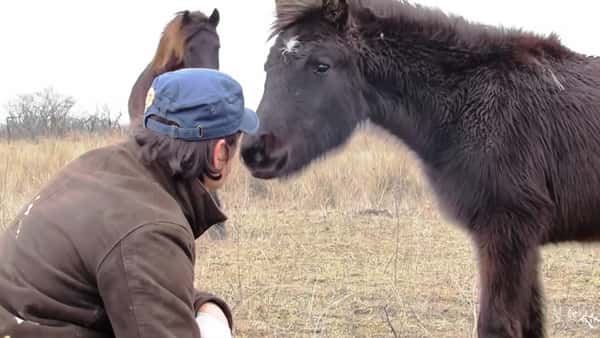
(204, 103)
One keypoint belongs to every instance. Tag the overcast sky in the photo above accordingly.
(94, 50)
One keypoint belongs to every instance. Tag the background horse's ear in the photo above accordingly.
(214, 18)
(185, 16)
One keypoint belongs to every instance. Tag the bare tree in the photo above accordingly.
(48, 113)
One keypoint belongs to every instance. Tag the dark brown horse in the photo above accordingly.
(507, 124)
(188, 40)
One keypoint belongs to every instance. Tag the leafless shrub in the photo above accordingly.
(47, 113)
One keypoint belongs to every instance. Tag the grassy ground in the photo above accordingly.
(353, 247)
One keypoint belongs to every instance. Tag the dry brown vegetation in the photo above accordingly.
(353, 247)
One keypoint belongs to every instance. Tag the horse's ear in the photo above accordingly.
(185, 16)
(336, 11)
(215, 18)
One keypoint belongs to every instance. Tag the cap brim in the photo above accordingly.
(250, 122)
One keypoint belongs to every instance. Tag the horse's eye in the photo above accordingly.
(322, 68)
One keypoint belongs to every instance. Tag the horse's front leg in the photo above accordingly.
(509, 301)
(533, 326)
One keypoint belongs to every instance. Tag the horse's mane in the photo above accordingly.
(171, 47)
(432, 21)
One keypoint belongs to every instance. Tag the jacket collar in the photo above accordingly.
(198, 205)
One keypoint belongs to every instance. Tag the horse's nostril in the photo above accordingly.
(258, 152)
(258, 157)
(254, 153)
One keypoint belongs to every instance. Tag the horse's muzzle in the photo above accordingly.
(263, 156)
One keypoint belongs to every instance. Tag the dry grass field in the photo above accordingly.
(353, 247)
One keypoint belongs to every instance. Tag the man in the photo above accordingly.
(107, 249)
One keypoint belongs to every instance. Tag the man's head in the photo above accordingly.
(193, 121)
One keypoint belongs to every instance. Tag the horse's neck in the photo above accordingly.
(414, 78)
(403, 120)
(137, 97)
(410, 108)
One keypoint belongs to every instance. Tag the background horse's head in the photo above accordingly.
(189, 40)
(313, 98)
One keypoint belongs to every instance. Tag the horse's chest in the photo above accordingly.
(459, 197)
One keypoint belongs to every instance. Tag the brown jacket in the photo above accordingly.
(106, 249)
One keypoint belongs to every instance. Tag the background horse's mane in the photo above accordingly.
(409, 17)
(171, 47)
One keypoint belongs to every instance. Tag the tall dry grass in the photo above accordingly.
(25, 166)
(371, 173)
(368, 173)
(352, 247)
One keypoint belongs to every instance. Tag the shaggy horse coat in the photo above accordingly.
(507, 124)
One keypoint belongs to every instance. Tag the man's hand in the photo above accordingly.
(214, 310)
(212, 321)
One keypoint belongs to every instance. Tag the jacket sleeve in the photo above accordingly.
(146, 283)
(201, 297)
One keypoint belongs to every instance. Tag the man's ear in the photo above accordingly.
(219, 157)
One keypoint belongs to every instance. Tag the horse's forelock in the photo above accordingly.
(290, 11)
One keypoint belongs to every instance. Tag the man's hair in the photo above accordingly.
(184, 159)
